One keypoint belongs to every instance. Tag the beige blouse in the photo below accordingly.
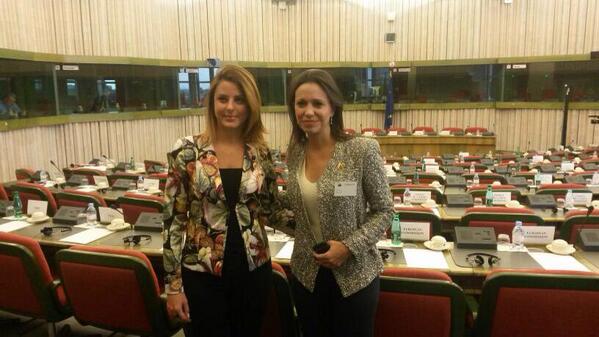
(309, 192)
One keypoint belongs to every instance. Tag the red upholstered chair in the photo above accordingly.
(27, 286)
(89, 173)
(24, 174)
(480, 191)
(3, 194)
(576, 220)
(114, 289)
(426, 129)
(477, 166)
(419, 303)
(453, 130)
(133, 204)
(539, 303)
(560, 190)
(486, 178)
(502, 219)
(154, 166)
(506, 157)
(279, 318)
(374, 131)
(420, 214)
(398, 129)
(474, 129)
(31, 191)
(72, 197)
(399, 189)
(350, 132)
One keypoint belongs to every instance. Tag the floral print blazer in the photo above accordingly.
(195, 227)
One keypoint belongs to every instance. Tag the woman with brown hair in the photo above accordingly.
(342, 204)
(221, 191)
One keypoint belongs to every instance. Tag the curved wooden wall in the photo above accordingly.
(307, 31)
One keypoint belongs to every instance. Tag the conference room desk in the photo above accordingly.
(454, 214)
(524, 191)
(394, 147)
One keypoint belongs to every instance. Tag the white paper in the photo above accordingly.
(537, 159)
(540, 235)
(431, 168)
(37, 206)
(501, 198)
(582, 199)
(13, 226)
(101, 179)
(286, 251)
(416, 231)
(392, 133)
(278, 236)
(419, 197)
(424, 258)
(546, 178)
(557, 262)
(87, 236)
(108, 214)
(151, 184)
(567, 167)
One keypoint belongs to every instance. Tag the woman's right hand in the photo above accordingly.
(177, 307)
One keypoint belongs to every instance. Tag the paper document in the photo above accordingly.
(422, 258)
(558, 262)
(87, 236)
(13, 226)
(285, 252)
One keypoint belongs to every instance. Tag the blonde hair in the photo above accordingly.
(253, 129)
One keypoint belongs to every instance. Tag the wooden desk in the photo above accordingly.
(398, 146)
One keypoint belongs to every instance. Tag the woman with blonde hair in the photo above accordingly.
(221, 191)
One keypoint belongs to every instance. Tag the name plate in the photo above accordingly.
(152, 184)
(546, 178)
(415, 231)
(108, 214)
(595, 179)
(567, 167)
(464, 154)
(37, 206)
(430, 161)
(537, 159)
(368, 134)
(392, 133)
(538, 235)
(583, 199)
(419, 197)
(501, 198)
(431, 168)
(99, 180)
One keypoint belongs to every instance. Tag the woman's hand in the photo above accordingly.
(177, 307)
(335, 257)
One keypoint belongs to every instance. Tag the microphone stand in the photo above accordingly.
(565, 115)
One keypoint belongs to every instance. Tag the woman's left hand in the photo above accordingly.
(335, 257)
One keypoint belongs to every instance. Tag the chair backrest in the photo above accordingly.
(474, 129)
(397, 128)
(424, 128)
(422, 215)
(419, 303)
(575, 221)
(27, 286)
(75, 198)
(436, 195)
(30, 191)
(89, 173)
(541, 303)
(24, 174)
(481, 191)
(502, 219)
(133, 204)
(373, 130)
(3, 194)
(279, 318)
(114, 289)
(560, 190)
(153, 166)
(453, 130)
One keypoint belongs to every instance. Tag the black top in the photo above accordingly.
(235, 259)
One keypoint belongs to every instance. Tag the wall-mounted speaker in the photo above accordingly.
(390, 38)
(594, 55)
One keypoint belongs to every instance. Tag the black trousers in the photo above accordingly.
(326, 313)
(228, 306)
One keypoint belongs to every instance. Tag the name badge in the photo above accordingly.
(346, 189)
(539, 235)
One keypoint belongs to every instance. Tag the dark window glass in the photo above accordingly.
(270, 84)
(400, 78)
(469, 83)
(32, 84)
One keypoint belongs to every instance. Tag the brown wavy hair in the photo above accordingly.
(253, 128)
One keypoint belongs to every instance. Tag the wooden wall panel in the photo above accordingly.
(307, 31)
(152, 138)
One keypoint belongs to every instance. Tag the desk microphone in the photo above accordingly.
(108, 159)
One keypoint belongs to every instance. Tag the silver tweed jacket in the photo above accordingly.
(358, 221)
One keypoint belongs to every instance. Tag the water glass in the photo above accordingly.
(10, 211)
